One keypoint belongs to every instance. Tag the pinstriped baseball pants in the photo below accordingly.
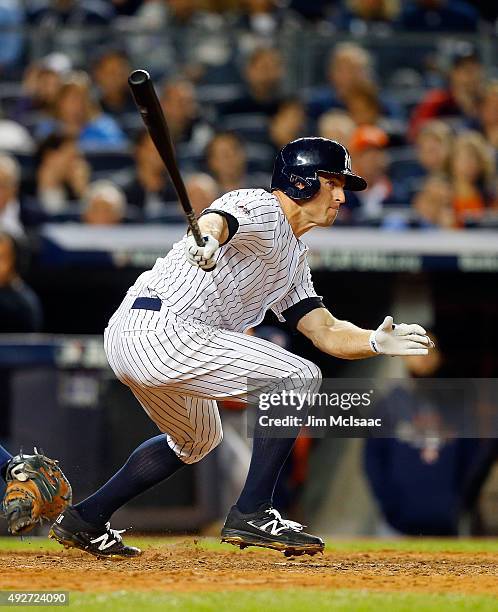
(178, 369)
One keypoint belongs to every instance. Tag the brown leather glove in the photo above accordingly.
(36, 489)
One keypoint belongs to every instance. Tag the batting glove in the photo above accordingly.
(204, 257)
(402, 339)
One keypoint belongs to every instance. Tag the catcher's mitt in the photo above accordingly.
(36, 489)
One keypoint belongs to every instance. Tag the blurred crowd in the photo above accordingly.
(420, 119)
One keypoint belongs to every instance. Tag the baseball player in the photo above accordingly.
(177, 340)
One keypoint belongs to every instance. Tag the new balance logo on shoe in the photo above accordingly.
(274, 529)
(104, 543)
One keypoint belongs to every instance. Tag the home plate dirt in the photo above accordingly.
(182, 567)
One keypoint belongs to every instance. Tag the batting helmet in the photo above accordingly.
(302, 159)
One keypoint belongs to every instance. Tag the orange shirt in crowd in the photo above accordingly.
(469, 205)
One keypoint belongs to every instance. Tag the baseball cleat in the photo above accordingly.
(72, 531)
(267, 529)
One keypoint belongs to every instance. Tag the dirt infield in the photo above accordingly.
(184, 567)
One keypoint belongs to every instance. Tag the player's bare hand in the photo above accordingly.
(401, 339)
(204, 257)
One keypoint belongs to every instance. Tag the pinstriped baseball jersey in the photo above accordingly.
(188, 351)
(263, 266)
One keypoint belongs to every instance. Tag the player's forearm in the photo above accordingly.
(347, 341)
(344, 340)
(335, 337)
(215, 225)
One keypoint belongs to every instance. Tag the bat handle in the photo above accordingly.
(196, 233)
(195, 229)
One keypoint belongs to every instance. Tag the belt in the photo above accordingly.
(147, 303)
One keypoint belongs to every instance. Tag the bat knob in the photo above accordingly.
(138, 77)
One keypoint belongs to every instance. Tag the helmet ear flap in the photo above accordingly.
(294, 179)
(310, 184)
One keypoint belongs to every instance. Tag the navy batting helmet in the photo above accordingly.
(302, 159)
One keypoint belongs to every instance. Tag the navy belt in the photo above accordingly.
(147, 303)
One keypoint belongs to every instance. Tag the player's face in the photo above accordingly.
(324, 207)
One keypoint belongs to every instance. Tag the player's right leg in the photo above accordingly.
(194, 428)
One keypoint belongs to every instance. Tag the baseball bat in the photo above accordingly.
(148, 104)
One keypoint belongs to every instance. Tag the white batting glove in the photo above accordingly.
(402, 339)
(203, 257)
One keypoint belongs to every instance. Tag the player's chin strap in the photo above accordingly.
(289, 524)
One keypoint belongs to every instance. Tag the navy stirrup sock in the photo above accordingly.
(149, 464)
(268, 458)
(5, 457)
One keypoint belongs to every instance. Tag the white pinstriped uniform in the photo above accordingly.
(179, 360)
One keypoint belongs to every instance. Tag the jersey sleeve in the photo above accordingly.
(300, 299)
(252, 223)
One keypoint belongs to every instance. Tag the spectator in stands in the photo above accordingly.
(368, 149)
(488, 114)
(62, 173)
(419, 478)
(433, 204)
(227, 162)
(149, 191)
(202, 191)
(104, 204)
(15, 138)
(473, 175)
(288, 123)
(336, 125)
(260, 20)
(11, 42)
(461, 99)
(40, 87)
(433, 151)
(263, 74)
(10, 207)
(360, 17)
(439, 16)
(349, 65)
(20, 309)
(363, 104)
(110, 72)
(77, 114)
(189, 131)
(433, 146)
